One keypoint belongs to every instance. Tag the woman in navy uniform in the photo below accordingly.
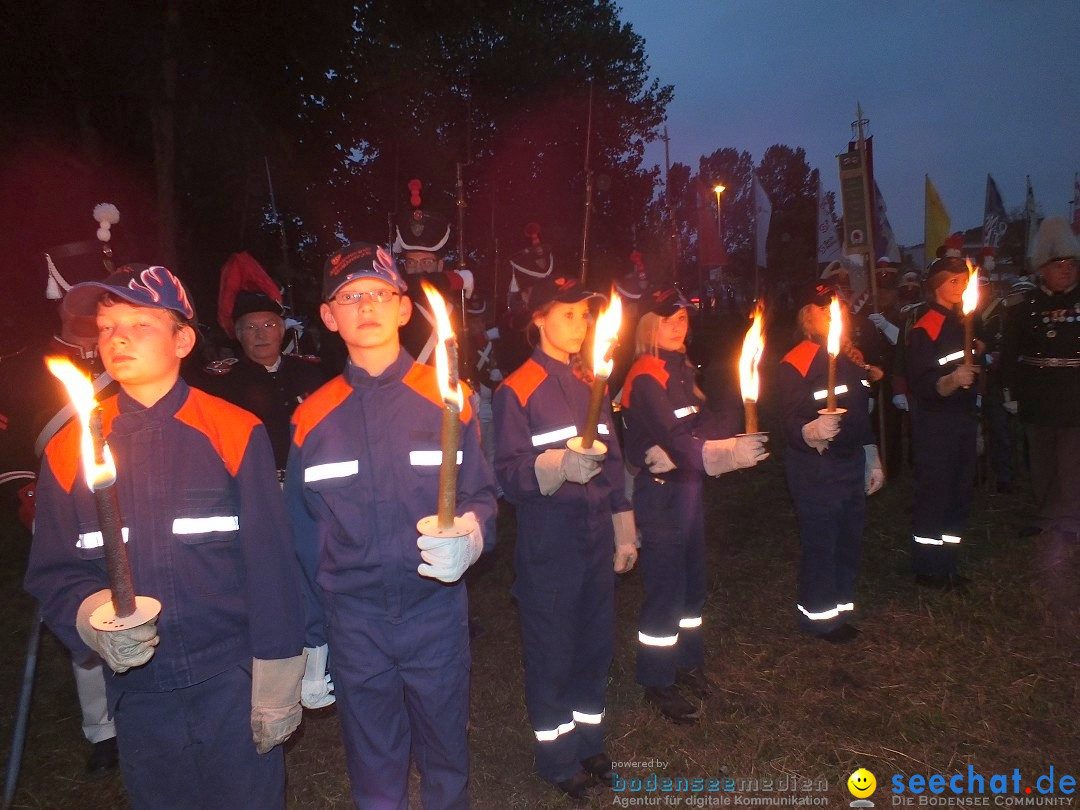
(572, 516)
(672, 440)
(944, 423)
(832, 464)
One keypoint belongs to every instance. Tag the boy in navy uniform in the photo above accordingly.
(944, 423)
(363, 469)
(202, 697)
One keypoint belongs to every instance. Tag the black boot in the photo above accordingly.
(840, 635)
(578, 786)
(672, 704)
(599, 765)
(694, 682)
(104, 756)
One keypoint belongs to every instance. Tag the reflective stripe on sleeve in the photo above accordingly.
(336, 469)
(552, 436)
(949, 538)
(589, 719)
(692, 621)
(217, 523)
(601, 429)
(428, 458)
(949, 358)
(840, 389)
(657, 641)
(845, 607)
(683, 412)
(555, 733)
(927, 541)
(96, 539)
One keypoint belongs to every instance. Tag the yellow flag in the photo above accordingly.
(937, 222)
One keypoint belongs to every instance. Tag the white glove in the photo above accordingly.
(468, 283)
(446, 558)
(625, 541)
(737, 453)
(889, 330)
(875, 476)
(821, 431)
(1011, 406)
(900, 401)
(317, 689)
(657, 460)
(120, 649)
(553, 467)
(275, 699)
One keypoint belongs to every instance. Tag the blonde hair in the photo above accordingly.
(645, 342)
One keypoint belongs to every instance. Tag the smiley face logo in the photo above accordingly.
(861, 783)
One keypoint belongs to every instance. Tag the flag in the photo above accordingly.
(936, 222)
(994, 218)
(1031, 218)
(762, 220)
(884, 238)
(1076, 204)
(828, 241)
(711, 252)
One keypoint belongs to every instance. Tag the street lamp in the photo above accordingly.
(719, 189)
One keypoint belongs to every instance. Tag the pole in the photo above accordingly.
(675, 248)
(282, 238)
(588, 192)
(22, 710)
(871, 262)
(719, 189)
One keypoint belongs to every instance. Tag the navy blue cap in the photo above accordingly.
(138, 284)
(820, 293)
(359, 260)
(563, 289)
(666, 301)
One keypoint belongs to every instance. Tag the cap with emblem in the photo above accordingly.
(666, 301)
(533, 262)
(359, 260)
(138, 284)
(560, 289)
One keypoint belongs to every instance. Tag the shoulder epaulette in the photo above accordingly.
(647, 365)
(317, 405)
(307, 358)
(423, 380)
(220, 367)
(525, 380)
(227, 426)
(802, 356)
(907, 308)
(931, 323)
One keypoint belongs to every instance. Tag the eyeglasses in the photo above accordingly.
(380, 296)
(251, 328)
(423, 265)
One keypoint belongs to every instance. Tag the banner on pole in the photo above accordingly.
(853, 196)
(828, 241)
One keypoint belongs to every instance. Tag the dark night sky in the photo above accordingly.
(954, 89)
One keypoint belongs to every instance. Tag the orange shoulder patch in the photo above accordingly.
(802, 356)
(424, 381)
(316, 406)
(63, 453)
(931, 323)
(226, 426)
(525, 380)
(646, 365)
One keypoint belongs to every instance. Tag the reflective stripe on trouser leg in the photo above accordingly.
(567, 649)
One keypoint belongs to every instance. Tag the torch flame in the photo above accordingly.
(832, 345)
(607, 332)
(449, 383)
(752, 349)
(971, 291)
(81, 392)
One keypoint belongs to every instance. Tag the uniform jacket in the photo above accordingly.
(363, 469)
(207, 536)
(801, 382)
(271, 396)
(1041, 357)
(935, 347)
(661, 408)
(538, 408)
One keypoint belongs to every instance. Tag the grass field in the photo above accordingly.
(936, 683)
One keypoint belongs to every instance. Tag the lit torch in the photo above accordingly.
(752, 349)
(446, 370)
(832, 346)
(127, 609)
(970, 302)
(604, 338)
